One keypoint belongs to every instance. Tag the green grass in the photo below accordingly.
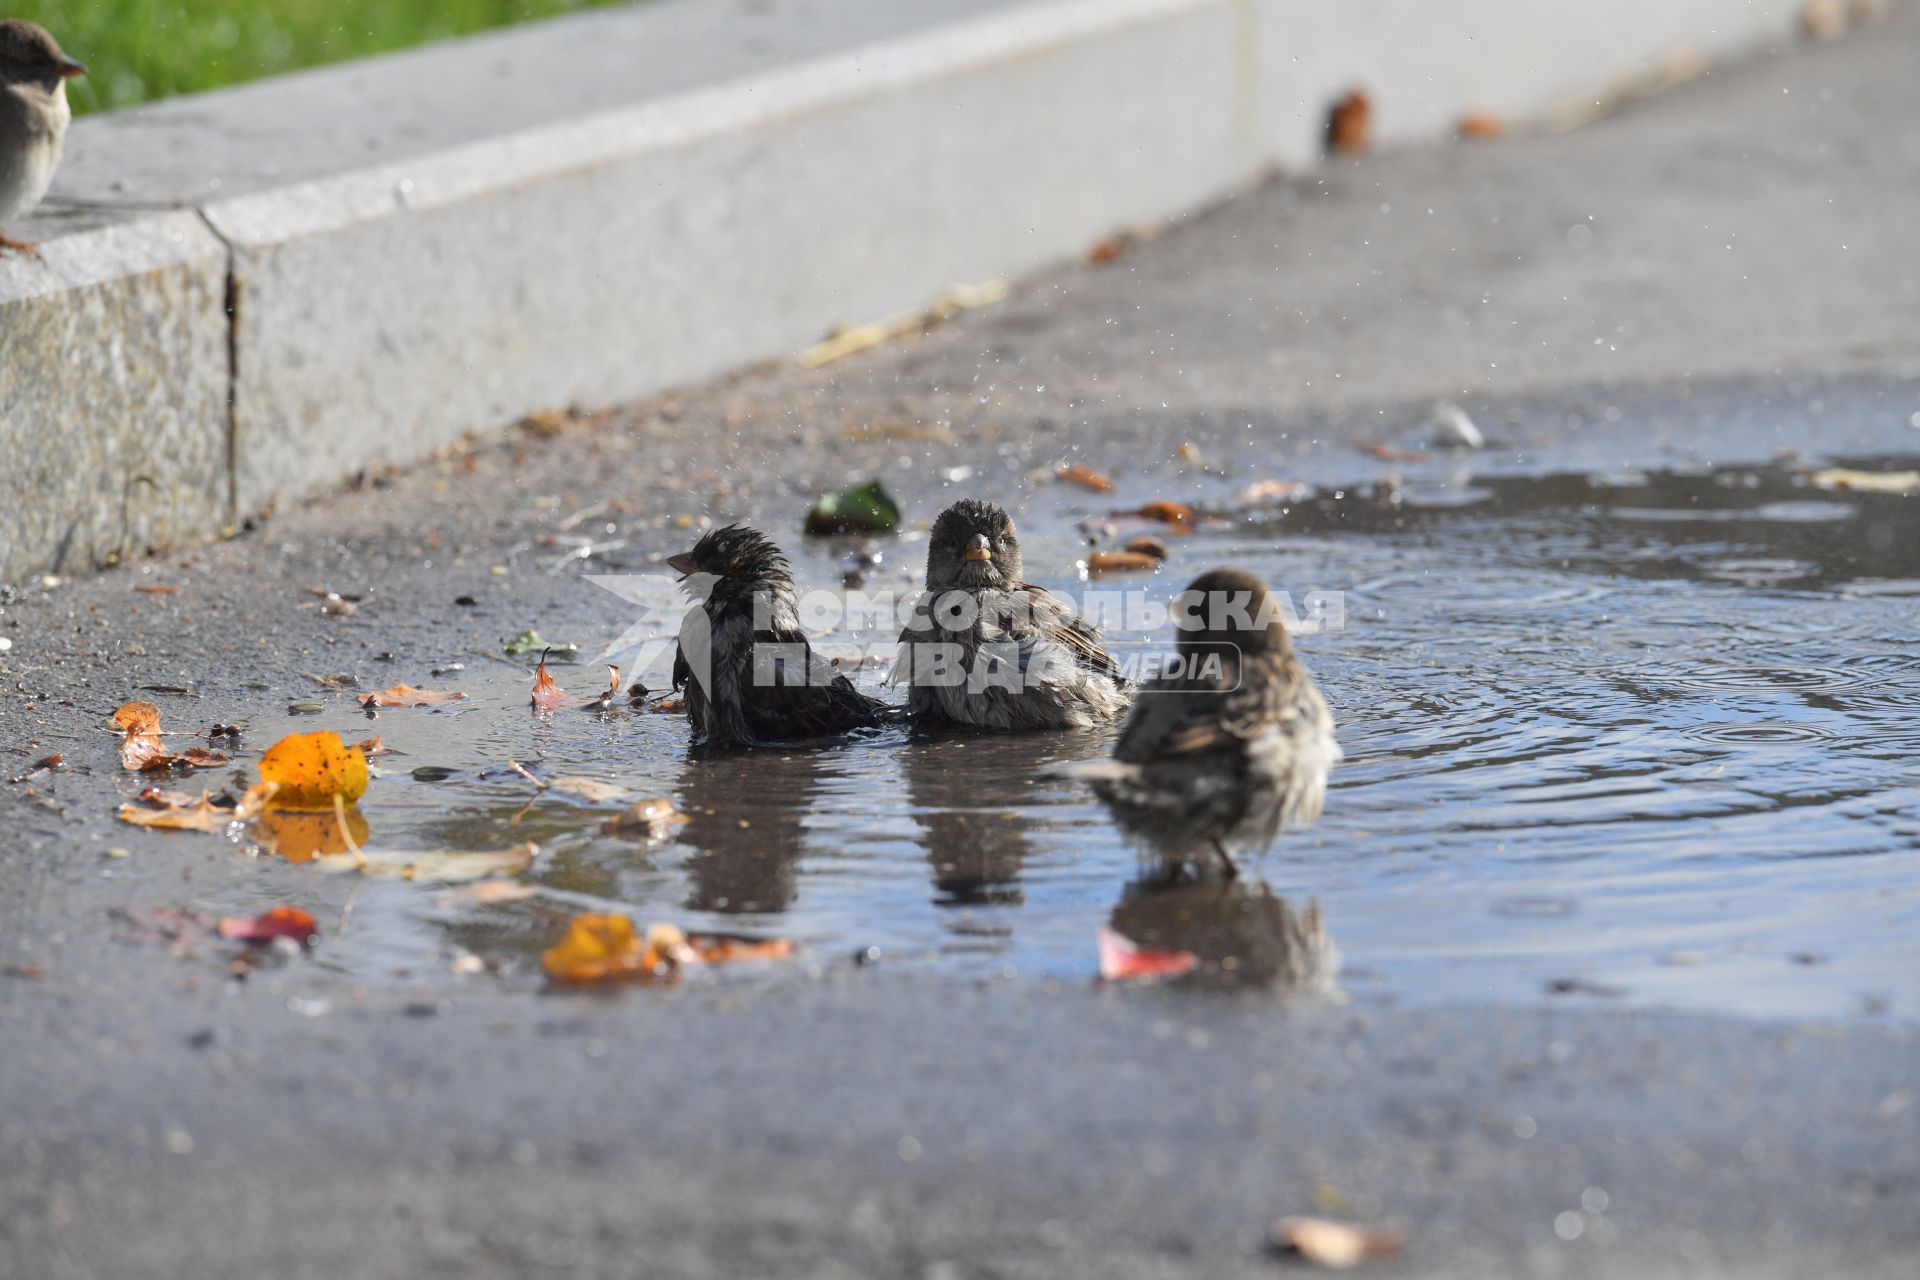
(138, 50)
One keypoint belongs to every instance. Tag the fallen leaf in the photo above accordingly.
(337, 606)
(433, 866)
(202, 758)
(44, 765)
(371, 747)
(1350, 124)
(280, 922)
(720, 948)
(1848, 481)
(1147, 546)
(612, 694)
(331, 682)
(1275, 491)
(588, 789)
(485, 894)
(1107, 250)
(862, 337)
(1390, 453)
(546, 694)
(1084, 476)
(1101, 563)
(866, 508)
(142, 748)
(196, 815)
(1338, 1246)
(1122, 959)
(1481, 124)
(529, 641)
(405, 695)
(653, 818)
(671, 705)
(309, 769)
(605, 948)
(1177, 514)
(158, 590)
(544, 424)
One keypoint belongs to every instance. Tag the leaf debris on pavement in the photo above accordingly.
(1338, 1246)
(278, 922)
(1122, 959)
(866, 508)
(605, 947)
(546, 694)
(405, 695)
(863, 337)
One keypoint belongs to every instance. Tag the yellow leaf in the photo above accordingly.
(1867, 481)
(312, 768)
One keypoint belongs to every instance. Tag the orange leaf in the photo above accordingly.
(1084, 476)
(1121, 959)
(546, 694)
(1481, 124)
(371, 747)
(405, 695)
(1105, 562)
(312, 768)
(280, 922)
(1177, 514)
(605, 948)
(141, 749)
(201, 758)
(1350, 125)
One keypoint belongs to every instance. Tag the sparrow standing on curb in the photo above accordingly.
(988, 650)
(33, 119)
(1229, 746)
(751, 678)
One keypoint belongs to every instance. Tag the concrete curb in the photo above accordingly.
(426, 244)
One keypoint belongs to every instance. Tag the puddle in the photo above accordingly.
(1641, 740)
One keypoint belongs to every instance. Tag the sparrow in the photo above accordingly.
(751, 679)
(33, 119)
(986, 649)
(1228, 745)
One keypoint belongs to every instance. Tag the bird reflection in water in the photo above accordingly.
(746, 821)
(976, 835)
(1240, 933)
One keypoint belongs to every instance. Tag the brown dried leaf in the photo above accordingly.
(405, 695)
(653, 818)
(546, 694)
(1084, 476)
(1102, 563)
(198, 815)
(1350, 124)
(142, 748)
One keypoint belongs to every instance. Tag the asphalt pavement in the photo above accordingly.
(1714, 274)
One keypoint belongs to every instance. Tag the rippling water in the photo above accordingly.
(1642, 740)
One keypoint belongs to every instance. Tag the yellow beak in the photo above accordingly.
(979, 549)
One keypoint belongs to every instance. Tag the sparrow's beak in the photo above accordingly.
(683, 564)
(980, 549)
(69, 69)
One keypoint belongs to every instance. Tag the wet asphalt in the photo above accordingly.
(1745, 287)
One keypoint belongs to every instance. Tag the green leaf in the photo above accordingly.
(865, 509)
